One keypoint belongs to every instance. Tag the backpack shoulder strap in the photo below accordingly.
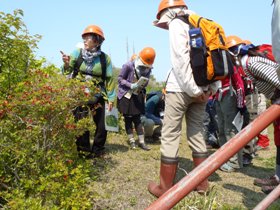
(184, 18)
(103, 65)
(78, 64)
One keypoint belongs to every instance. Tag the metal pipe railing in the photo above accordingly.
(213, 162)
(272, 196)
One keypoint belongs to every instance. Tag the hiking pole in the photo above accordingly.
(213, 162)
(269, 199)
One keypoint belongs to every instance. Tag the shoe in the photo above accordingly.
(268, 189)
(226, 168)
(149, 139)
(99, 154)
(271, 181)
(144, 146)
(133, 145)
(247, 160)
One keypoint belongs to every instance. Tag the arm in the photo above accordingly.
(69, 61)
(123, 78)
(180, 57)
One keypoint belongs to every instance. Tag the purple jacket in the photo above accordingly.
(126, 78)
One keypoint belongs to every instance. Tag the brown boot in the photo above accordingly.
(167, 175)
(198, 158)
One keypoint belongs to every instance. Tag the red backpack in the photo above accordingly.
(263, 50)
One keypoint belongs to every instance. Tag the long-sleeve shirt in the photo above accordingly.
(262, 72)
(96, 72)
(181, 77)
(127, 77)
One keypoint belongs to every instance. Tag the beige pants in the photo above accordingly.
(256, 104)
(178, 105)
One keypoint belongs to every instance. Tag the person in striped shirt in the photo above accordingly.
(263, 73)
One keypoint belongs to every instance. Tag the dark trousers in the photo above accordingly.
(128, 119)
(100, 135)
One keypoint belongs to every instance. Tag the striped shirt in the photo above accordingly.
(262, 72)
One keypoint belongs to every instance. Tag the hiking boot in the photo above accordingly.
(268, 189)
(144, 146)
(271, 181)
(132, 145)
(227, 168)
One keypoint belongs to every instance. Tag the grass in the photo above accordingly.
(124, 175)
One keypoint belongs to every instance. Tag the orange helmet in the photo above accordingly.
(147, 56)
(164, 4)
(247, 42)
(93, 29)
(232, 41)
(133, 57)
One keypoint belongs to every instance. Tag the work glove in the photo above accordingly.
(133, 86)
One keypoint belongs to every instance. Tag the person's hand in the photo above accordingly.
(110, 106)
(65, 59)
(203, 97)
(133, 86)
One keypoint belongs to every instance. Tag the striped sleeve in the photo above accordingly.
(264, 73)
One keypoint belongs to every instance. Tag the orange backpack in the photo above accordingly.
(210, 59)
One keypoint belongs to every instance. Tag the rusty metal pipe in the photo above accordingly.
(272, 196)
(213, 162)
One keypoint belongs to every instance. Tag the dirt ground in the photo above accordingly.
(125, 173)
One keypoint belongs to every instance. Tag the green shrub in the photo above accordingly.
(37, 142)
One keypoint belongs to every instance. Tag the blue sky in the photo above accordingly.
(129, 23)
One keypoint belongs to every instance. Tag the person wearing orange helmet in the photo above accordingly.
(262, 72)
(94, 66)
(184, 98)
(131, 93)
(230, 100)
(133, 57)
(255, 100)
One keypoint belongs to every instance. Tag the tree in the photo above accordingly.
(16, 51)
